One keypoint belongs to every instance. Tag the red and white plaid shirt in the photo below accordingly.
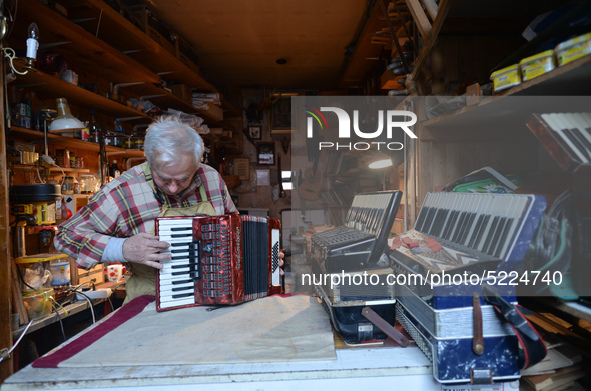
(127, 206)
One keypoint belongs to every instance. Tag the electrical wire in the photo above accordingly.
(111, 304)
(60, 320)
(18, 341)
(20, 274)
(38, 176)
(89, 304)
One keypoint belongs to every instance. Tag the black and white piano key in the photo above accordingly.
(175, 300)
(275, 270)
(572, 131)
(170, 290)
(561, 125)
(583, 127)
(185, 281)
(485, 222)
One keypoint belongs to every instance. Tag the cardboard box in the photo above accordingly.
(181, 91)
(215, 111)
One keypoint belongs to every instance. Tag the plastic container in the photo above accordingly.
(506, 78)
(60, 271)
(537, 65)
(573, 49)
(38, 303)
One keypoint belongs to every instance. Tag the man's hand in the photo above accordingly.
(145, 248)
(281, 256)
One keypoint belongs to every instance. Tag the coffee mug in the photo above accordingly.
(115, 272)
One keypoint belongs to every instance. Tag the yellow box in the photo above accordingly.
(573, 49)
(537, 65)
(506, 78)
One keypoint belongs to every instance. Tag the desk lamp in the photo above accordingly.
(65, 121)
(380, 160)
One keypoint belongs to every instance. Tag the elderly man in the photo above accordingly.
(118, 223)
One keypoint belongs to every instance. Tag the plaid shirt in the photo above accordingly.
(128, 205)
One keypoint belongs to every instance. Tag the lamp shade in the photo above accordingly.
(65, 121)
(382, 163)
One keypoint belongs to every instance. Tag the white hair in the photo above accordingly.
(167, 138)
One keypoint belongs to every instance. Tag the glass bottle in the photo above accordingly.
(118, 134)
(114, 170)
(93, 128)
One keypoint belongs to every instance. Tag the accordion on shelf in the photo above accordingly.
(217, 260)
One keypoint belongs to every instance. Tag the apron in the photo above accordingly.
(143, 277)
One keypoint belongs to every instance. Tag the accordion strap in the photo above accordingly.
(383, 325)
(534, 348)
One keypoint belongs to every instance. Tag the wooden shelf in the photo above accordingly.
(123, 35)
(80, 47)
(536, 95)
(28, 167)
(465, 16)
(128, 153)
(165, 99)
(33, 135)
(49, 86)
(102, 54)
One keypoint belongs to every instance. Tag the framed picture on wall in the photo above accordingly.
(254, 132)
(266, 154)
(280, 114)
(242, 168)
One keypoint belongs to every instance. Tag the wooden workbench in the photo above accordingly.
(352, 368)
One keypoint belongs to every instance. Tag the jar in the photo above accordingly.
(108, 138)
(118, 140)
(87, 184)
(139, 143)
(68, 185)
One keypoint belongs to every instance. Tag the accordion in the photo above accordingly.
(217, 260)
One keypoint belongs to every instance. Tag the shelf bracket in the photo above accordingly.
(144, 97)
(394, 37)
(76, 21)
(53, 44)
(18, 86)
(130, 118)
(120, 85)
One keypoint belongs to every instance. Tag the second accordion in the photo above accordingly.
(217, 260)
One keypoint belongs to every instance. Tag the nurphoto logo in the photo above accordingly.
(388, 122)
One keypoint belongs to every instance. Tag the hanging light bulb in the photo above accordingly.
(65, 121)
(32, 44)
